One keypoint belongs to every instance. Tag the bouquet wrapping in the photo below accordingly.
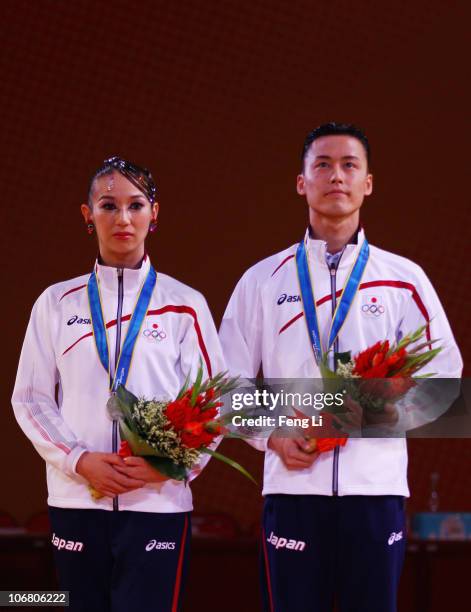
(374, 379)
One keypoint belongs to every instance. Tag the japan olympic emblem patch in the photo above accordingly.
(154, 334)
(372, 306)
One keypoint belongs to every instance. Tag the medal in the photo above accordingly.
(113, 408)
(343, 306)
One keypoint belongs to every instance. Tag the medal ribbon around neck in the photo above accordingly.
(343, 305)
(99, 328)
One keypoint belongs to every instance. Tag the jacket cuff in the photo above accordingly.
(72, 459)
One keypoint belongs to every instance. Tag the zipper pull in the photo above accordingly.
(332, 270)
(120, 272)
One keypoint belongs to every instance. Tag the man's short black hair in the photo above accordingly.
(336, 129)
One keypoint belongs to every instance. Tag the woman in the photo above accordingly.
(126, 550)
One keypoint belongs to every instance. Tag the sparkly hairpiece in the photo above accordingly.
(140, 177)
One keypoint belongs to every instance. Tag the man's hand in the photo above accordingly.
(355, 418)
(388, 416)
(100, 470)
(294, 452)
(139, 469)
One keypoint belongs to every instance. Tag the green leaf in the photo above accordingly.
(230, 462)
(237, 436)
(326, 372)
(227, 384)
(184, 388)
(126, 396)
(197, 383)
(167, 467)
(125, 400)
(418, 361)
(429, 375)
(418, 348)
(410, 338)
(138, 446)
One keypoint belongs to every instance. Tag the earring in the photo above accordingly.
(152, 227)
(90, 228)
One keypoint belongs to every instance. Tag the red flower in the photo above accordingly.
(327, 444)
(374, 362)
(181, 412)
(380, 371)
(196, 440)
(208, 415)
(189, 421)
(194, 428)
(199, 401)
(125, 449)
(371, 357)
(397, 360)
(389, 389)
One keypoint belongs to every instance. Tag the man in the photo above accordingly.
(343, 509)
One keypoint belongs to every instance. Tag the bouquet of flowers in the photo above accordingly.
(378, 376)
(172, 435)
(382, 373)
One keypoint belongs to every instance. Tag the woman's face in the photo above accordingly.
(121, 214)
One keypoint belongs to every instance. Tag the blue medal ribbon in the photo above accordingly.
(99, 328)
(346, 299)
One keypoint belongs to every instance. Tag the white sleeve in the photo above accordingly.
(432, 398)
(241, 337)
(33, 400)
(201, 345)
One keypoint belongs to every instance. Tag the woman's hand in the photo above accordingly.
(139, 469)
(102, 471)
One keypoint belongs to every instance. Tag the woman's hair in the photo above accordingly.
(140, 177)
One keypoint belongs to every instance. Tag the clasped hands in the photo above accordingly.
(298, 452)
(110, 474)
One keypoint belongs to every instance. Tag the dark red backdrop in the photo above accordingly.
(216, 99)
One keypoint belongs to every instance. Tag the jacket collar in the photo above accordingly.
(317, 249)
(132, 278)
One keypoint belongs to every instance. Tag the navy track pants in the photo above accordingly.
(317, 549)
(121, 561)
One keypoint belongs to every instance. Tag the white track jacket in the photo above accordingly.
(264, 326)
(61, 387)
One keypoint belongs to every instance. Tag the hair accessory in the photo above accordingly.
(90, 228)
(140, 177)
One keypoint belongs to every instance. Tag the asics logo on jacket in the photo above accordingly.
(288, 298)
(79, 320)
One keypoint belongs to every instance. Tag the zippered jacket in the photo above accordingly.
(62, 389)
(264, 325)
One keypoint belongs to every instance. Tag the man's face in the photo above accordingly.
(335, 178)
